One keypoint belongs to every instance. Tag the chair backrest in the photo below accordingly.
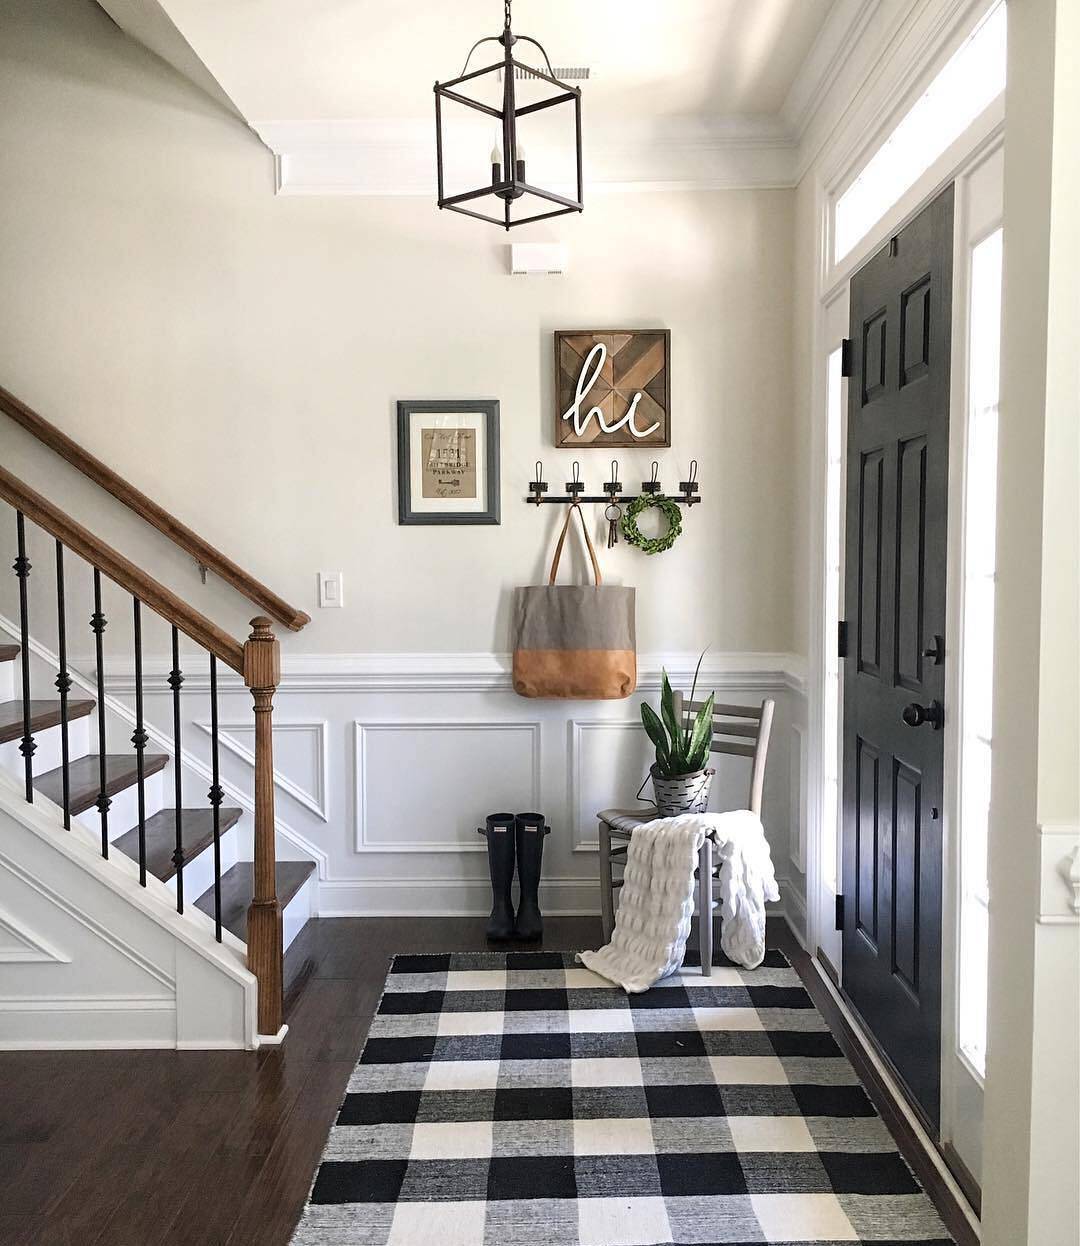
(742, 730)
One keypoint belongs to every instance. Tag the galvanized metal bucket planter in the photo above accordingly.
(686, 793)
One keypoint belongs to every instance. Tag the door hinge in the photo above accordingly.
(845, 357)
(842, 639)
(839, 913)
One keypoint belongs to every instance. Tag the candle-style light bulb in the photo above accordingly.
(496, 165)
(519, 167)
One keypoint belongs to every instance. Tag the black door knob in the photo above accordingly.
(915, 715)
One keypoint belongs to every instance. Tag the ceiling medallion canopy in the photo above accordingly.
(514, 196)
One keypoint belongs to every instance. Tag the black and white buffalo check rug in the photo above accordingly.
(512, 1099)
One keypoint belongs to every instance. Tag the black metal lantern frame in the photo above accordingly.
(508, 182)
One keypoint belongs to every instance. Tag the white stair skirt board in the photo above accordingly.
(124, 969)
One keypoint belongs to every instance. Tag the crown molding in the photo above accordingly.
(836, 43)
(396, 157)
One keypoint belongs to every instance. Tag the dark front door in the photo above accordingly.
(894, 673)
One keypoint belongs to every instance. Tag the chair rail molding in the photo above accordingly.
(467, 672)
(1059, 856)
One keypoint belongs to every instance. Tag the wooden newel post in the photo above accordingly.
(262, 673)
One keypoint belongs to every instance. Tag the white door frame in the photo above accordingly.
(966, 163)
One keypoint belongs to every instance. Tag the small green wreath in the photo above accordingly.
(671, 512)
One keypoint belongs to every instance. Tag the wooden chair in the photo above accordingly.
(737, 729)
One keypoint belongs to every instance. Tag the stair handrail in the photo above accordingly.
(257, 660)
(122, 571)
(205, 554)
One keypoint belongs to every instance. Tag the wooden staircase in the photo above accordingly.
(62, 750)
(159, 834)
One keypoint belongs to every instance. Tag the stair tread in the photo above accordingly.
(43, 714)
(197, 833)
(8, 653)
(238, 886)
(85, 783)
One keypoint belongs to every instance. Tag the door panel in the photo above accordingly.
(898, 415)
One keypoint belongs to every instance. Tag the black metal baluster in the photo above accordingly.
(215, 794)
(176, 678)
(63, 683)
(140, 738)
(21, 567)
(97, 626)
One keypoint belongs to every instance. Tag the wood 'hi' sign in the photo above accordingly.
(613, 388)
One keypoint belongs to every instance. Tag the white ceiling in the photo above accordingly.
(307, 60)
(707, 94)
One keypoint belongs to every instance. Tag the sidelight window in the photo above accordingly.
(834, 499)
(977, 741)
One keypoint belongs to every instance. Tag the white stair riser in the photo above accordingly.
(297, 911)
(7, 680)
(124, 810)
(49, 752)
(199, 872)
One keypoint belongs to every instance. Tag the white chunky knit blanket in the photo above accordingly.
(657, 901)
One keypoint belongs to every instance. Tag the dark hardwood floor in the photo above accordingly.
(122, 1148)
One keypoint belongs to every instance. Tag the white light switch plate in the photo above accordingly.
(330, 590)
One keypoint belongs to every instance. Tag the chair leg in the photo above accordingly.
(607, 894)
(705, 923)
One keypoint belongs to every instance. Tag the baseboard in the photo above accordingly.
(899, 1101)
(85, 1023)
(410, 897)
(427, 897)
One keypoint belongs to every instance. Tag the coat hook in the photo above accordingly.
(653, 485)
(689, 486)
(614, 486)
(538, 487)
(575, 486)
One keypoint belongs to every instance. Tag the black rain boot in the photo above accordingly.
(530, 831)
(499, 833)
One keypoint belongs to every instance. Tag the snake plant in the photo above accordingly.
(681, 747)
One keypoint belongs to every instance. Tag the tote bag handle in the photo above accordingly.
(574, 506)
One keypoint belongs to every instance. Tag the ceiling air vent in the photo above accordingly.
(579, 73)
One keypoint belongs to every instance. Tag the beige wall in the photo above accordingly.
(238, 356)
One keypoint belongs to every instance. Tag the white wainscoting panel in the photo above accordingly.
(607, 762)
(425, 785)
(301, 761)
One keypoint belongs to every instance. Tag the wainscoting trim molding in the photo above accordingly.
(30, 947)
(577, 729)
(1059, 854)
(314, 802)
(474, 672)
(364, 729)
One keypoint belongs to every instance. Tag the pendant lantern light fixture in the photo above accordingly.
(507, 185)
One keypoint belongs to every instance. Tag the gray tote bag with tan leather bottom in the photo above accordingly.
(574, 641)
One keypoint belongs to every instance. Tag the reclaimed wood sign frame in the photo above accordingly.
(612, 388)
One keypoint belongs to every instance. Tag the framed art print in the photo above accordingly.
(613, 388)
(448, 461)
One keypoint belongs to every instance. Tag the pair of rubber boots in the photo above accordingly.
(511, 837)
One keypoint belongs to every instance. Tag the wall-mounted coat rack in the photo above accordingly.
(688, 495)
